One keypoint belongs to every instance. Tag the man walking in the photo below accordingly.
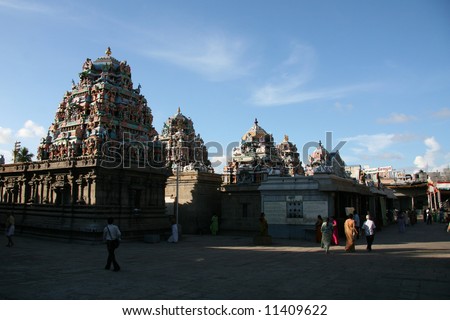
(111, 234)
(369, 230)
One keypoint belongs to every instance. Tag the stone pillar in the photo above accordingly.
(435, 201)
(91, 184)
(80, 185)
(22, 190)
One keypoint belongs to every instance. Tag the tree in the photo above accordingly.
(23, 155)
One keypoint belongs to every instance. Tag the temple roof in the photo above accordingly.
(106, 60)
(255, 132)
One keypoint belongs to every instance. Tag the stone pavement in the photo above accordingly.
(412, 265)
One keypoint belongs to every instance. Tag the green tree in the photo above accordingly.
(24, 155)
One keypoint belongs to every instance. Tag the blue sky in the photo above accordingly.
(375, 74)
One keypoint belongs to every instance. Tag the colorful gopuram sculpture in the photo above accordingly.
(182, 146)
(292, 165)
(101, 157)
(102, 108)
(258, 157)
(322, 161)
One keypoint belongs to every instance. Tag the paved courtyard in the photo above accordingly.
(411, 265)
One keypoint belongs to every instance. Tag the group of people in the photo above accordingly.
(327, 232)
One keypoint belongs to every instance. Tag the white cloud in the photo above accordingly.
(442, 113)
(31, 130)
(428, 160)
(215, 56)
(5, 135)
(395, 118)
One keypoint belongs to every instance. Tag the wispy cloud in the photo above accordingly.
(372, 144)
(289, 86)
(396, 118)
(28, 6)
(343, 107)
(5, 135)
(291, 92)
(30, 130)
(442, 113)
(217, 57)
(376, 146)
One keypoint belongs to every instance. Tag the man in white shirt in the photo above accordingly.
(369, 229)
(111, 234)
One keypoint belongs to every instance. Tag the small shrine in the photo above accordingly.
(192, 188)
(290, 157)
(322, 161)
(258, 157)
(182, 146)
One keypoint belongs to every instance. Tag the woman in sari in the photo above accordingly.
(335, 235)
(350, 233)
(327, 231)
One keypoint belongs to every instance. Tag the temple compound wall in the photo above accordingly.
(291, 204)
(199, 199)
(73, 198)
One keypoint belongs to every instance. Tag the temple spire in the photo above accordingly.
(179, 110)
(108, 52)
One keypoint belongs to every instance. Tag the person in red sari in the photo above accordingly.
(350, 233)
(335, 236)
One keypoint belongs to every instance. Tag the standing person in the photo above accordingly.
(111, 234)
(10, 228)
(357, 224)
(335, 235)
(429, 217)
(174, 237)
(350, 233)
(369, 230)
(263, 225)
(401, 222)
(327, 231)
(318, 225)
(214, 227)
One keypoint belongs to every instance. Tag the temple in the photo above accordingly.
(265, 177)
(101, 157)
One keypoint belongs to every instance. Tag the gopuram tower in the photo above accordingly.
(258, 157)
(101, 158)
(192, 189)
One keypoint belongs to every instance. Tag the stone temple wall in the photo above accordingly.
(74, 197)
